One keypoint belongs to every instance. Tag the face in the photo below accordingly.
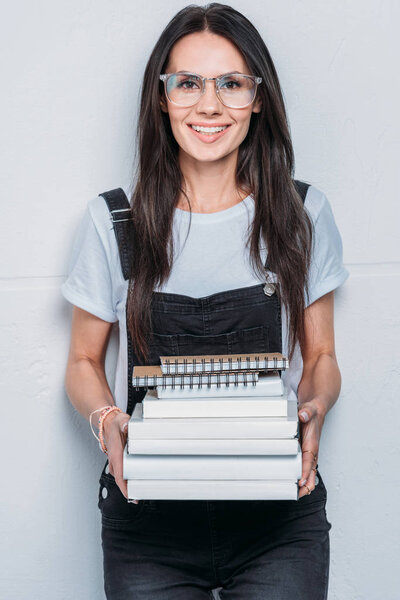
(208, 55)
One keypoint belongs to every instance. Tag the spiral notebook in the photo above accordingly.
(152, 376)
(267, 384)
(223, 362)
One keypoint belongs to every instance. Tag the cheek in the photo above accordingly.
(178, 127)
(242, 128)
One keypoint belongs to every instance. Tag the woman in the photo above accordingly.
(214, 172)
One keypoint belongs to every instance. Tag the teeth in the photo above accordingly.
(208, 129)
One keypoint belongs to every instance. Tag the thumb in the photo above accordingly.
(124, 426)
(306, 411)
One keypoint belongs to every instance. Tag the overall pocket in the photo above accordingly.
(116, 511)
(240, 341)
(161, 345)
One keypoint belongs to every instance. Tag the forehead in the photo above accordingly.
(207, 54)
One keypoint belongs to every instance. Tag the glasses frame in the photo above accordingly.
(165, 76)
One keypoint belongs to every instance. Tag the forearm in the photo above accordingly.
(87, 387)
(320, 383)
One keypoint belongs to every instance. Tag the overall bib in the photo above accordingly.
(183, 549)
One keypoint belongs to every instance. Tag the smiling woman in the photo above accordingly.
(224, 95)
(220, 249)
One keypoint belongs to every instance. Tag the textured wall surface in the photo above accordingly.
(71, 73)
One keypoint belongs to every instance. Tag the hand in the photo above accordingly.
(115, 429)
(311, 421)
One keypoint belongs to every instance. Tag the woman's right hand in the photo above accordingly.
(115, 430)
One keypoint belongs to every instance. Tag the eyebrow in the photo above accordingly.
(221, 74)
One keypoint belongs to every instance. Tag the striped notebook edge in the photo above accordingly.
(223, 362)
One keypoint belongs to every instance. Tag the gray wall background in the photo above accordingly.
(71, 73)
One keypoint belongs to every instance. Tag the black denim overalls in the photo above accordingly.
(178, 549)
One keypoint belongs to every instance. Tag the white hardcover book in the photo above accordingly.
(184, 489)
(268, 384)
(167, 466)
(242, 406)
(213, 428)
(213, 446)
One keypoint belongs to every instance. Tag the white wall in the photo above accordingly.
(71, 74)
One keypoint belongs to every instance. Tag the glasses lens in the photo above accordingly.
(237, 91)
(184, 89)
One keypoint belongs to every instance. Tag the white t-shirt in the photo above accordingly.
(211, 258)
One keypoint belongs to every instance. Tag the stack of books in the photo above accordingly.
(214, 427)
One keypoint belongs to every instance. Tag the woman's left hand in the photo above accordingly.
(311, 420)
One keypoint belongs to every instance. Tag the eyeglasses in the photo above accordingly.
(234, 90)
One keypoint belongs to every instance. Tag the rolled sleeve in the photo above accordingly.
(89, 283)
(327, 271)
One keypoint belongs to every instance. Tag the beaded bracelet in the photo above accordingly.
(105, 410)
(90, 419)
(103, 415)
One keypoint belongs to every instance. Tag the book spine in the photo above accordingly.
(144, 466)
(163, 489)
(219, 407)
(213, 446)
(209, 428)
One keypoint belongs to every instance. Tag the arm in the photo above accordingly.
(86, 383)
(320, 384)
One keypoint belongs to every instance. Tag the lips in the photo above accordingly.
(208, 138)
(193, 125)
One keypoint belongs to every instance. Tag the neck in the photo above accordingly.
(209, 185)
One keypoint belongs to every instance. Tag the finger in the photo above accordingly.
(306, 411)
(308, 462)
(124, 489)
(124, 426)
(310, 483)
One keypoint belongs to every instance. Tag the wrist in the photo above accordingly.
(320, 409)
(105, 414)
(109, 419)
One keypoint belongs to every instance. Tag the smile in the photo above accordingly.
(208, 134)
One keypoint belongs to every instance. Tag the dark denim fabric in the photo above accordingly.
(183, 549)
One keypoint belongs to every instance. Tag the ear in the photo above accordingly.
(257, 105)
(163, 104)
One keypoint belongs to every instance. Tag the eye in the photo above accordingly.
(188, 84)
(230, 84)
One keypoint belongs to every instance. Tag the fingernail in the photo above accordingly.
(125, 426)
(304, 415)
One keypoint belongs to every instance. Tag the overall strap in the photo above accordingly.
(121, 219)
(301, 187)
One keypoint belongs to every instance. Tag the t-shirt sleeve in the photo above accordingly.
(327, 271)
(89, 283)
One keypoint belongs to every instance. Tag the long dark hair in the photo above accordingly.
(265, 167)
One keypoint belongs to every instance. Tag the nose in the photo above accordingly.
(209, 102)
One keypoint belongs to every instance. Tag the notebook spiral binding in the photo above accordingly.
(204, 380)
(242, 364)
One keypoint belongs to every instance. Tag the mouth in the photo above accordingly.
(208, 134)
